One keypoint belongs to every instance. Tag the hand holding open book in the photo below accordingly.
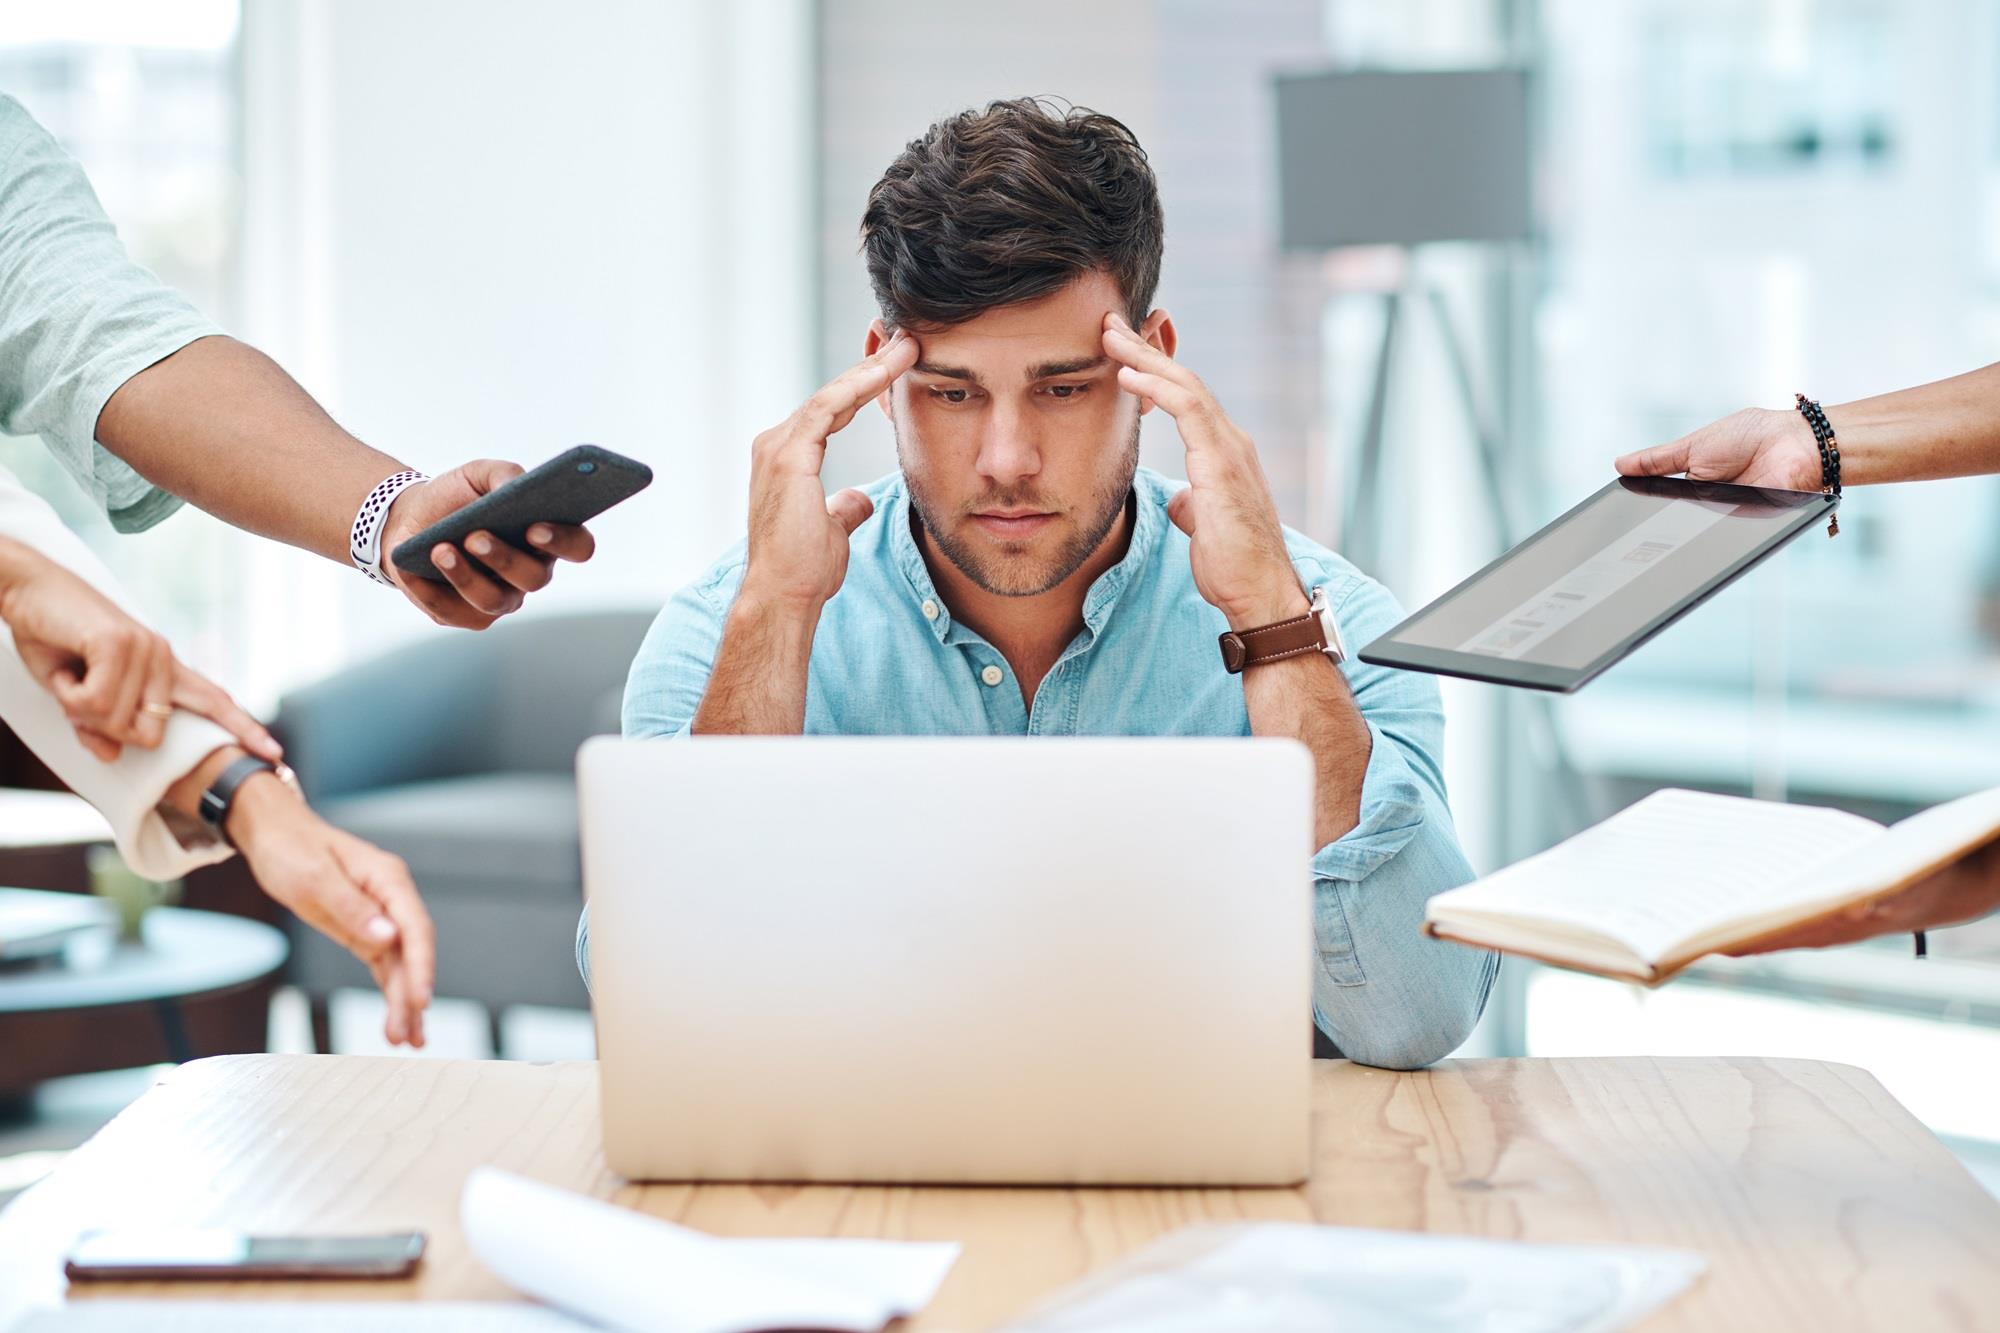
(1684, 874)
(1964, 890)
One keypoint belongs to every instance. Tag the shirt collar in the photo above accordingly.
(900, 515)
(1149, 517)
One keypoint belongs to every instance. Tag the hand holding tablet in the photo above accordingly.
(1586, 590)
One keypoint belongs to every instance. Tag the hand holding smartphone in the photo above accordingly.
(573, 487)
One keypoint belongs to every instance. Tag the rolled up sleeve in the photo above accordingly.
(128, 790)
(664, 689)
(1382, 992)
(1393, 811)
(78, 318)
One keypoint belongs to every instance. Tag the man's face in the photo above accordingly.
(1015, 440)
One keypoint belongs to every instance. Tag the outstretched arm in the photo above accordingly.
(1947, 429)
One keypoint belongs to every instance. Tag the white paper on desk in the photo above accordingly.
(1280, 1276)
(629, 1271)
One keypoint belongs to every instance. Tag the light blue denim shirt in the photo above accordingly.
(889, 659)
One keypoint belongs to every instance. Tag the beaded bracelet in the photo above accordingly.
(1829, 454)
(1829, 483)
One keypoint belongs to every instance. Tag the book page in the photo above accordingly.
(1674, 865)
(1912, 847)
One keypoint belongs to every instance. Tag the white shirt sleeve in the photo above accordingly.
(129, 789)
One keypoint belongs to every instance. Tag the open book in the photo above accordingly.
(1682, 874)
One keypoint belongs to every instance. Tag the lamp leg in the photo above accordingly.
(1484, 443)
(1359, 529)
(1487, 448)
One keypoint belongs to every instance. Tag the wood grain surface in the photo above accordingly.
(1817, 1200)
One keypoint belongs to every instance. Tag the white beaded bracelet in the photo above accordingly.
(364, 542)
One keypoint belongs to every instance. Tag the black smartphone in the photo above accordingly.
(573, 487)
(149, 1255)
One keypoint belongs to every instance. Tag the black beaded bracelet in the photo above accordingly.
(1829, 482)
(1829, 454)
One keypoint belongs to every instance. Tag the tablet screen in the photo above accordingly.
(1597, 582)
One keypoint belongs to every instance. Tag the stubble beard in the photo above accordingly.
(1004, 571)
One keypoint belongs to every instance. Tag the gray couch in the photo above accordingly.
(458, 753)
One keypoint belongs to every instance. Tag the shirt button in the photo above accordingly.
(993, 675)
(930, 609)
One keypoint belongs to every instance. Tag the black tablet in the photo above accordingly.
(1599, 581)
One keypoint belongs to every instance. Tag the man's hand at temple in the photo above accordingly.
(796, 558)
(1236, 546)
(1235, 540)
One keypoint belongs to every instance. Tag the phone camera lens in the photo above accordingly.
(586, 467)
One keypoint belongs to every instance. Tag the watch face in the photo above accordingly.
(216, 802)
(1329, 627)
(1234, 654)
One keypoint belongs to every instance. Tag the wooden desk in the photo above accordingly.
(1819, 1202)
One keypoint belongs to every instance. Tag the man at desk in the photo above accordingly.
(1022, 575)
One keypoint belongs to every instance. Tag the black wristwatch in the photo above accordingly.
(221, 793)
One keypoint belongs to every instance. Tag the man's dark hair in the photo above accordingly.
(1009, 204)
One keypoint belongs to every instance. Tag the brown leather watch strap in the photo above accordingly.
(1272, 643)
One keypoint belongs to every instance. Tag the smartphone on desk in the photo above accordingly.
(573, 487)
(154, 1254)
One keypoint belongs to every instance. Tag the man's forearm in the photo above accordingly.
(1307, 698)
(1947, 429)
(221, 425)
(758, 684)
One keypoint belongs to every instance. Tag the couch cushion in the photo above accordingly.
(516, 832)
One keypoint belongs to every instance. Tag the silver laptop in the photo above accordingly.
(993, 960)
